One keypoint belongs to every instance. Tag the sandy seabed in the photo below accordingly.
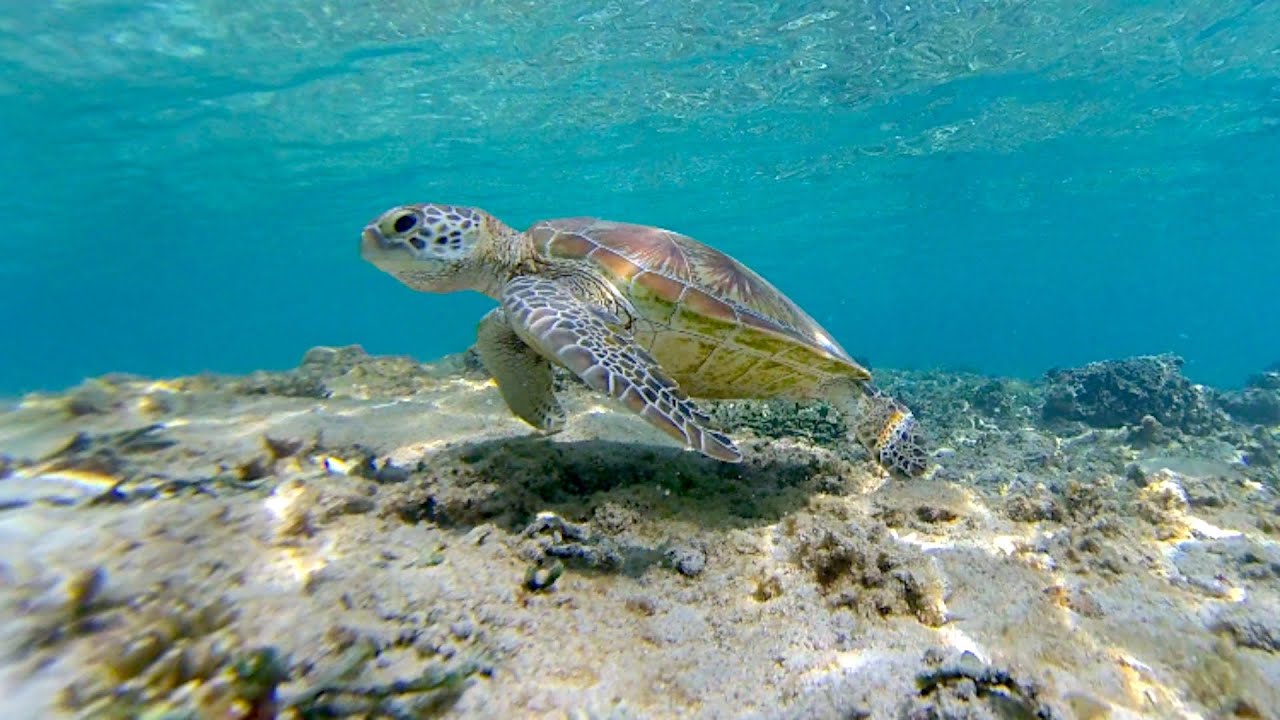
(375, 537)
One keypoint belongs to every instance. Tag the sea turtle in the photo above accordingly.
(646, 315)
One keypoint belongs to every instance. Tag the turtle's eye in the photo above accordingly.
(405, 223)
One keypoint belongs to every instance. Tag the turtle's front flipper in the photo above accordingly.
(589, 342)
(524, 377)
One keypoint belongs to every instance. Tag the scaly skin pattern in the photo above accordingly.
(893, 435)
(646, 315)
(587, 342)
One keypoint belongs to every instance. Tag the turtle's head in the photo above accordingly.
(437, 248)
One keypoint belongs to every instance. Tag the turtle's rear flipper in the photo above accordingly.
(889, 430)
(524, 377)
(588, 341)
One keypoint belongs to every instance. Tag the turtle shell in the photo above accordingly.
(718, 328)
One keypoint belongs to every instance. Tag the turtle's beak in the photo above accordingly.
(377, 249)
(372, 241)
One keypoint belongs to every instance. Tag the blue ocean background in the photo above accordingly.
(1000, 186)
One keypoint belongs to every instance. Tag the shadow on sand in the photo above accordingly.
(507, 482)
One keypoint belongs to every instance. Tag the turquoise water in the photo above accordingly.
(999, 186)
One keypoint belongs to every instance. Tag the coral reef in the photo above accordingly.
(1117, 393)
(1258, 402)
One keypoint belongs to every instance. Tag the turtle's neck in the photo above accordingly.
(511, 254)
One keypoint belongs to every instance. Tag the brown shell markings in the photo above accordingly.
(718, 327)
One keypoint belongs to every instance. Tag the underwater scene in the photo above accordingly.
(649, 359)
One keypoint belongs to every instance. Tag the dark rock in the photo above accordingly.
(1148, 433)
(1254, 405)
(550, 536)
(688, 561)
(1117, 393)
(335, 359)
(1268, 379)
(541, 577)
(1134, 473)
(282, 447)
(389, 473)
(280, 385)
(92, 398)
(993, 398)
(1261, 448)
(964, 686)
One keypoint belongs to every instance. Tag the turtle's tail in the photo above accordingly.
(893, 435)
